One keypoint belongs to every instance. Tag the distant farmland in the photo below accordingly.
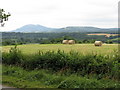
(81, 48)
(104, 34)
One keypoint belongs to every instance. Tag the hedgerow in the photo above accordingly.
(67, 63)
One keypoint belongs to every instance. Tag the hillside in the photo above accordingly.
(33, 28)
(39, 28)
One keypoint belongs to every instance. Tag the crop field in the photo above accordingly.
(82, 48)
(103, 34)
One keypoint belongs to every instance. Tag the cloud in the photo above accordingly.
(61, 13)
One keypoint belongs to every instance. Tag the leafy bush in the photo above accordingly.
(13, 57)
(67, 63)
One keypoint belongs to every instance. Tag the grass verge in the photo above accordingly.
(20, 78)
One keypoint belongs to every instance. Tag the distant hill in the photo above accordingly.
(32, 28)
(39, 28)
(86, 29)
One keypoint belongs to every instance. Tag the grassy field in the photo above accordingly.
(82, 48)
(30, 69)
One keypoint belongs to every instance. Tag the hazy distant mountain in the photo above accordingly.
(85, 29)
(39, 28)
(32, 28)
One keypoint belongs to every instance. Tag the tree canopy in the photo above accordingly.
(3, 17)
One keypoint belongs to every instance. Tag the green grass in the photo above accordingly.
(72, 62)
(82, 48)
(20, 78)
(115, 39)
(21, 83)
(0, 73)
(49, 69)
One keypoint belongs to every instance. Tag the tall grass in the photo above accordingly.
(18, 77)
(107, 66)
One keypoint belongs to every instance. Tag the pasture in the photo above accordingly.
(61, 70)
(81, 48)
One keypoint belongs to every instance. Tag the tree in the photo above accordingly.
(3, 17)
(68, 38)
(109, 42)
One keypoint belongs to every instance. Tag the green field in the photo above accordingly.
(25, 67)
(82, 48)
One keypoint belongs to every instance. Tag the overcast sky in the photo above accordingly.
(61, 13)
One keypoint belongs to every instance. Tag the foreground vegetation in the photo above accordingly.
(20, 78)
(62, 70)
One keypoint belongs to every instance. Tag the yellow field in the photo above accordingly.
(82, 48)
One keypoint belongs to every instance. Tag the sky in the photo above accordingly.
(61, 13)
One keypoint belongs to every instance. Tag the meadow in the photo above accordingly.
(81, 48)
(61, 66)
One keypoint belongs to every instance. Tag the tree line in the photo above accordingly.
(50, 38)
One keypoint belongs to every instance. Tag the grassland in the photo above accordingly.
(82, 48)
(20, 78)
(25, 67)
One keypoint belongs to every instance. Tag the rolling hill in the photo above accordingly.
(32, 28)
(39, 28)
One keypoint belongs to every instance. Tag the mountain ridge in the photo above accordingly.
(39, 28)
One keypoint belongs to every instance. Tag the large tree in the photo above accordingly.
(3, 17)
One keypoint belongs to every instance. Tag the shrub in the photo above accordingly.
(13, 57)
(67, 63)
